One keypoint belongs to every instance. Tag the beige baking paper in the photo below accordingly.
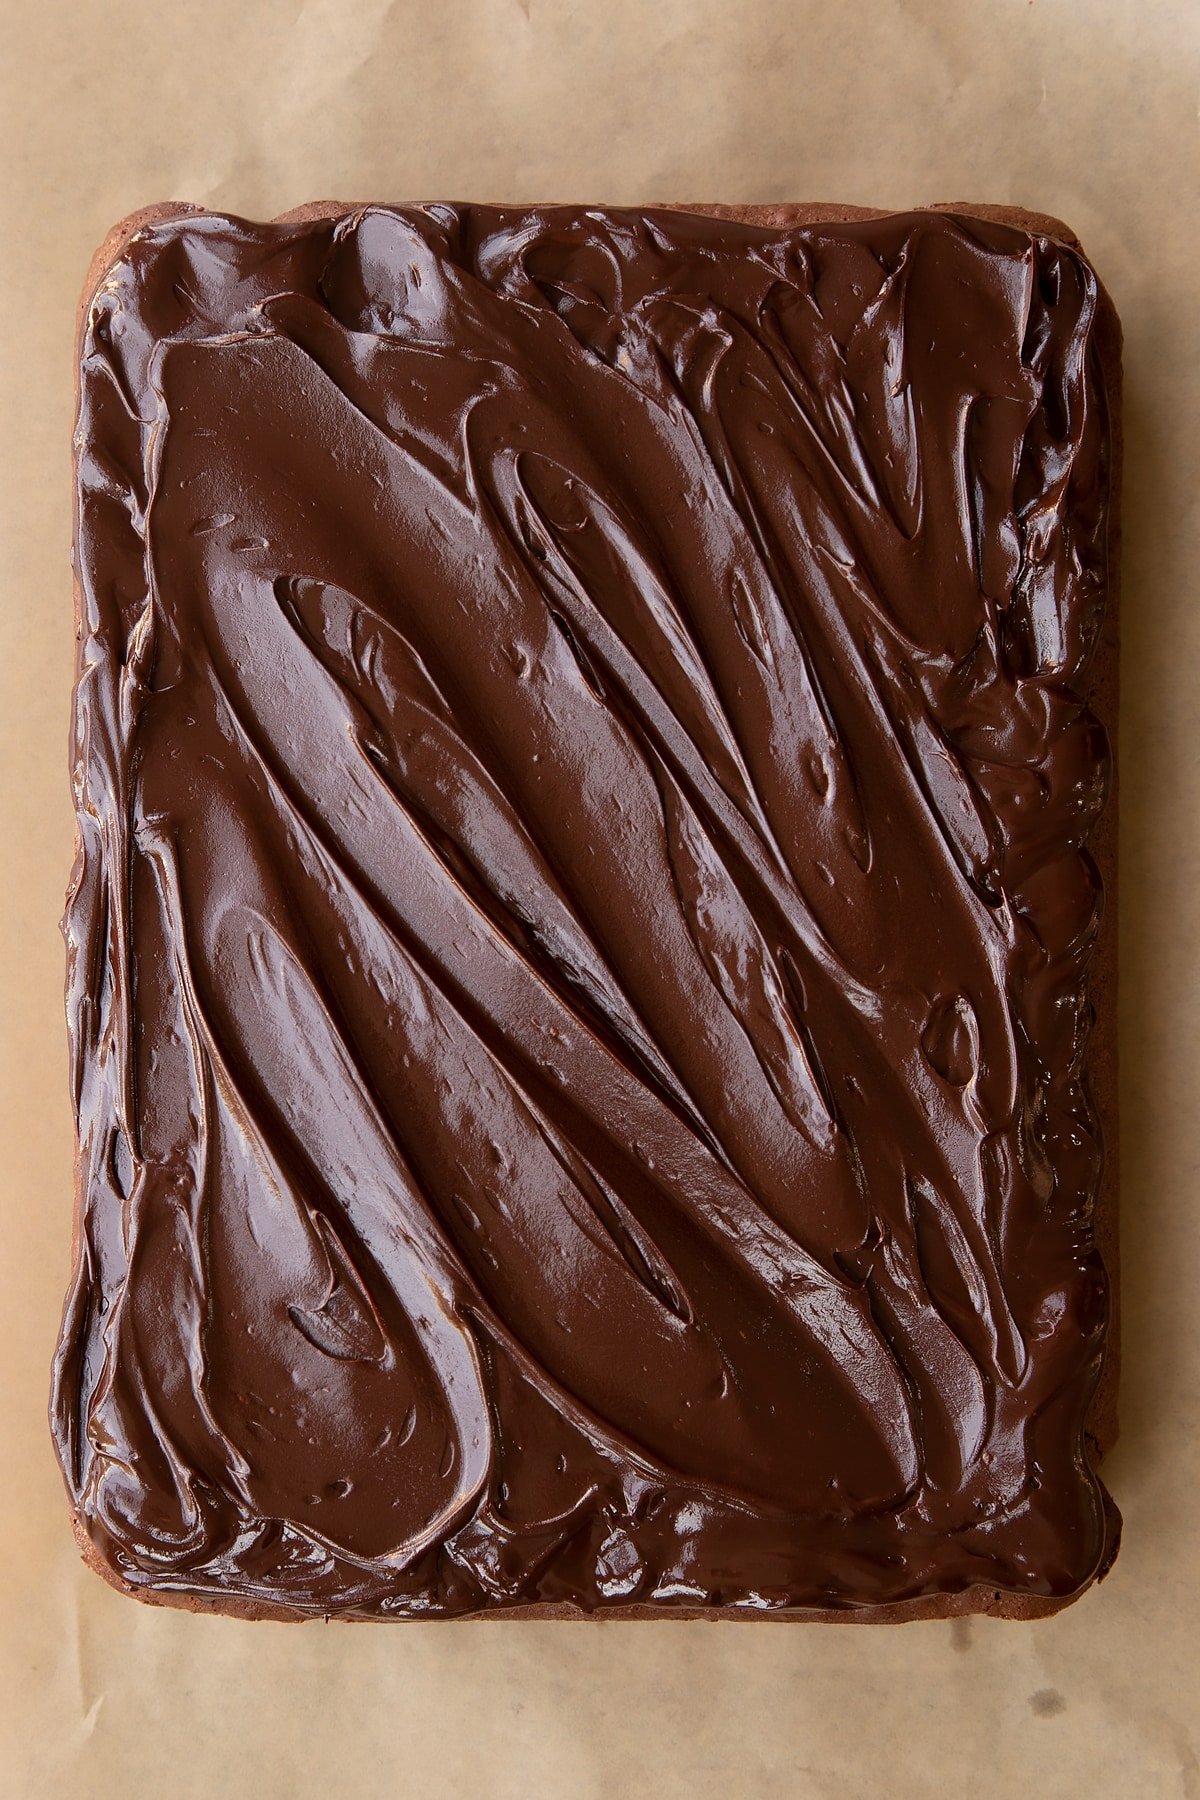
(1083, 108)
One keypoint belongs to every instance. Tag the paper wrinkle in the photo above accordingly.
(87, 1681)
(1086, 109)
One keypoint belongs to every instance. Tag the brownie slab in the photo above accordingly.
(583, 935)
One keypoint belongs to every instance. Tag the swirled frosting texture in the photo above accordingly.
(579, 942)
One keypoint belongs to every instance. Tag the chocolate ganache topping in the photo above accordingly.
(579, 941)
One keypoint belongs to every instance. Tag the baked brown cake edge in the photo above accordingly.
(1100, 692)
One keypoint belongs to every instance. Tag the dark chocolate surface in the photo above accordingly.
(579, 945)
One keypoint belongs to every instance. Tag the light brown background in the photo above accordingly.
(1085, 108)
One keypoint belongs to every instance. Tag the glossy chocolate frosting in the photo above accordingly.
(579, 946)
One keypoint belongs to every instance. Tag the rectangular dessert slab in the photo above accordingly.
(590, 1006)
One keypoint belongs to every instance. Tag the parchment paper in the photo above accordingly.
(1084, 108)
